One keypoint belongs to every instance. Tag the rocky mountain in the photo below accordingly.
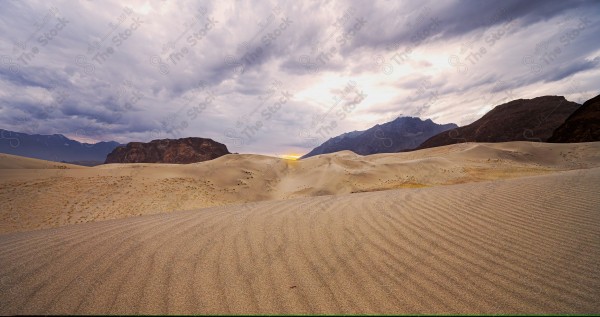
(180, 151)
(54, 147)
(583, 125)
(401, 134)
(518, 120)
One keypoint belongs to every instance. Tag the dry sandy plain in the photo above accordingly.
(468, 228)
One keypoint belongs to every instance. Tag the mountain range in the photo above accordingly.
(518, 120)
(55, 147)
(541, 119)
(401, 134)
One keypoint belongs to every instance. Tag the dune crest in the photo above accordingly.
(50, 197)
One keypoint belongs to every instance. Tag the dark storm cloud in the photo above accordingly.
(221, 69)
(405, 25)
(573, 68)
(33, 77)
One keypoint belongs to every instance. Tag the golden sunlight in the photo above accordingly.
(291, 157)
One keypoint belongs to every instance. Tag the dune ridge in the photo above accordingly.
(506, 246)
(44, 196)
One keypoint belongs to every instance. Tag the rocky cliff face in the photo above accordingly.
(581, 126)
(180, 151)
(519, 120)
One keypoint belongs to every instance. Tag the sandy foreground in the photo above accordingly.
(526, 245)
(468, 228)
(39, 194)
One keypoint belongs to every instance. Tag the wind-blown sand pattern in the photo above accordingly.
(527, 245)
(38, 194)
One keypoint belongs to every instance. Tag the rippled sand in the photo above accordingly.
(526, 245)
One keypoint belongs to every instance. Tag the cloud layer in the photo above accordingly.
(282, 77)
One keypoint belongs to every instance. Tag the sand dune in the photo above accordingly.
(527, 245)
(37, 194)
(8, 161)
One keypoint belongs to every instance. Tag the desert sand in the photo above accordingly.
(38, 194)
(522, 245)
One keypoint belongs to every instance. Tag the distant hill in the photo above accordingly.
(583, 125)
(85, 163)
(518, 120)
(54, 147)
(401, 134)
(180, 151)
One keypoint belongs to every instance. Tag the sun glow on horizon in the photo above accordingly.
(291, 157)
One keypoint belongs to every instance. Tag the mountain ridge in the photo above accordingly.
(53, 147)
(517, 120)
(400, 134)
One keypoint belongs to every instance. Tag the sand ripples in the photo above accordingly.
(525, 245)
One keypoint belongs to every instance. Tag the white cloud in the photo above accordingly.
(150, 72)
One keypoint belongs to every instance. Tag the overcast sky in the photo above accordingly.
(281, 77)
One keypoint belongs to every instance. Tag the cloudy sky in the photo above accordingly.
(280, 77)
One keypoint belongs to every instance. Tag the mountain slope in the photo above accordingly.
(518, 120)
(394, 136)
(54, 147)
(581, 126)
